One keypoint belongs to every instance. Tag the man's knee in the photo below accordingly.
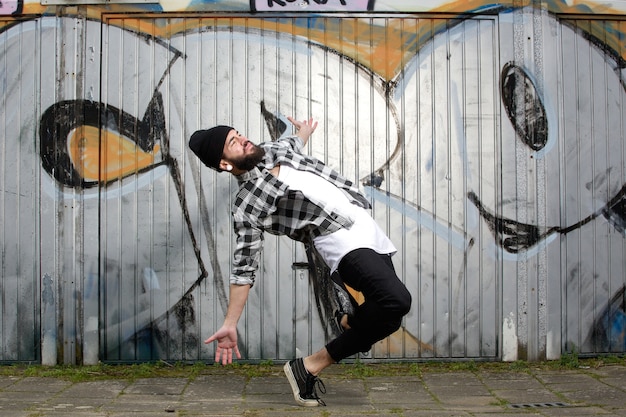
(405, 302)
(402, 304)
(401, 308)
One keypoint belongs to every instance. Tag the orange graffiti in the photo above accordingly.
(121, 157)
(357, 295)
(382, 49)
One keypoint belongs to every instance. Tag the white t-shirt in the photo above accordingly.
(364, 233)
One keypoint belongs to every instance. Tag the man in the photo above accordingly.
(283, 192)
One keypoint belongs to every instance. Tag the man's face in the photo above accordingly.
(240, 152)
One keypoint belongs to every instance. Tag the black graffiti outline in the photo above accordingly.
(514, 236)
(524, 106)
(62, 117)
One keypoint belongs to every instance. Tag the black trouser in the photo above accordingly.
(386, 301)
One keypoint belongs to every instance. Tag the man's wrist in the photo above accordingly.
(230, 322)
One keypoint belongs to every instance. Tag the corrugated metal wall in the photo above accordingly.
(472, 138)
(593, 120)
(19, 199)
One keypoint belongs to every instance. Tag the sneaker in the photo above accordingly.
(303, 384)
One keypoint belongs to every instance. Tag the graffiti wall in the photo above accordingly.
(489, 139)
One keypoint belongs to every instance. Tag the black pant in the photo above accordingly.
(386, 301)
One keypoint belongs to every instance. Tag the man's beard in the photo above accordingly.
(249, 161)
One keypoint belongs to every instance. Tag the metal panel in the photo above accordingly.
(594, 172)
(563, 94)
(19, 199)
(491, 147)
(150, 269)
(410, 157)
(447, 100)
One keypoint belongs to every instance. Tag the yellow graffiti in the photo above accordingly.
(120, 156)
(382, 49)
(385, 50)
(357, 295)
(399, 340)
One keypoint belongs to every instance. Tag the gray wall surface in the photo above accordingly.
(491, 147)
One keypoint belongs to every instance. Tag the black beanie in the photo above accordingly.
(208, 145)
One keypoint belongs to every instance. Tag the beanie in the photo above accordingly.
(208, 145)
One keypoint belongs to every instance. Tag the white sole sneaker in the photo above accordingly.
(293, 379)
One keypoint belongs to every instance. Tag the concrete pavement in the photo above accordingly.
(221, 391)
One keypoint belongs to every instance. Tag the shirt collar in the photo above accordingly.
(249, 175)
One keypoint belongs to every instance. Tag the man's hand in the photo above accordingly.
(304, 129)
(226, 342)
(227, 336)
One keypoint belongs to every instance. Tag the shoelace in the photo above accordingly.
(315, 383)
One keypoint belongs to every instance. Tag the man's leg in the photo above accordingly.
(318, 361)
(386, 301)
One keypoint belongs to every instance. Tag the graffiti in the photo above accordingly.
(457, 166)
(311, 5)
(8, 7)
(86, 144)
(608, 333)
(511, 235)
(71, 142)
(514, 236)
(615, 211)
(478, 163)
(523, 106)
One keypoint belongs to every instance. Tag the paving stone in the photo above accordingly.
(584, 392)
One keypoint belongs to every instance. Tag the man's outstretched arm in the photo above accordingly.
(226, 336)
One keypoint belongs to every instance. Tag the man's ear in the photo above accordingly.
(225, 166)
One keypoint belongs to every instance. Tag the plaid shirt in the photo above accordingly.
(265, 204)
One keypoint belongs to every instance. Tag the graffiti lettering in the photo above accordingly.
(10, 7)
(311, 5)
